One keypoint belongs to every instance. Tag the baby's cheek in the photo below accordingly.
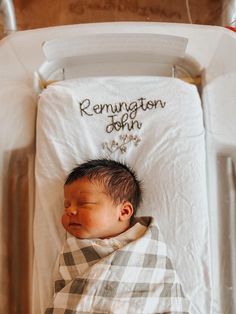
(90, 221)
(65, 221)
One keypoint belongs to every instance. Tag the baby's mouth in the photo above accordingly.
(74, 224)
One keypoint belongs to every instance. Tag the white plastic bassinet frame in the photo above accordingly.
(125, 54)
(211, 51)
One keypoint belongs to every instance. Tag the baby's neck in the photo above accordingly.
(124, 228)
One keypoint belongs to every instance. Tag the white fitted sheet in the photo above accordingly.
(169, 159)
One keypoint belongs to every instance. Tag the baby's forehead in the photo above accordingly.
(85, 185)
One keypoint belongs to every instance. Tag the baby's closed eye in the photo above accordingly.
(82, 203)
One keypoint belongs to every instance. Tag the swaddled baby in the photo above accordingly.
(112, 262)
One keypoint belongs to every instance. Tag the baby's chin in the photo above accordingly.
(74, 229)
(77, 231)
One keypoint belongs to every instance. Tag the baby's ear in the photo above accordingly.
(126, 211)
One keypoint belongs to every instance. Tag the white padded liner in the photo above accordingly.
(169, 159)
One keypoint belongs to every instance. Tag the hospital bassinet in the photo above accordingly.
(150, 51)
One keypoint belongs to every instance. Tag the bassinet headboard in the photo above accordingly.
(108, 55)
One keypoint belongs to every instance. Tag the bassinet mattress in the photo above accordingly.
(154, 124)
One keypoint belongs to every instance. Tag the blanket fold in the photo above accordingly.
(125, 274)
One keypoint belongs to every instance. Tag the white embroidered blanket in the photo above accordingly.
(135, 278)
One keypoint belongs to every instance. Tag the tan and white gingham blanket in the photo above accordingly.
(135, 277)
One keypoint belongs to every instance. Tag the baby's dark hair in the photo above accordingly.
(119, 180)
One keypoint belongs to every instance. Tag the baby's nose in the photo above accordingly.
(71, 211)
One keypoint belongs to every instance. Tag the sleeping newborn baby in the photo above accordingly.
(111, 261)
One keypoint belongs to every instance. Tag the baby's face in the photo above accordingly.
(89, 211)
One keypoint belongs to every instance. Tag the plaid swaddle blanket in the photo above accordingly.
(118, 276)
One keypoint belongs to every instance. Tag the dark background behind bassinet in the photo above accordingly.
(32, 14)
